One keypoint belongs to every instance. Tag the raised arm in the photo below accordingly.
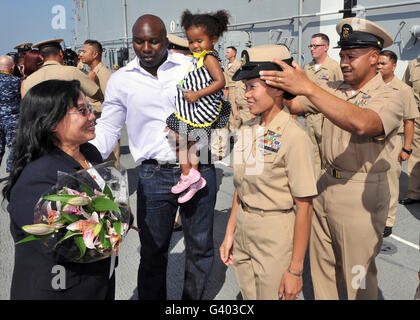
(362, 122)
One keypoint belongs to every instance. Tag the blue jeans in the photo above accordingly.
(156, 210)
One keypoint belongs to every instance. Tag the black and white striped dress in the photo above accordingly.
(195, 120)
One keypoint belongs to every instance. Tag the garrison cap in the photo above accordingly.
(259, 58)
(178, 41)
(361, 33)
(23, 46)
(48, 43)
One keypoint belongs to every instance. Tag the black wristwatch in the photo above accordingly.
(407, 151)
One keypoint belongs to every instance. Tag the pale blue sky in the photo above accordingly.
(31, 21)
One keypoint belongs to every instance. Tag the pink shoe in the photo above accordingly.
(186, 181)
(192, 190)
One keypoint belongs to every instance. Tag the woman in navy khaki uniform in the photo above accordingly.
(55, 125)
(266, 238)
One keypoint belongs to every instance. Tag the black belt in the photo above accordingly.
(165, 165)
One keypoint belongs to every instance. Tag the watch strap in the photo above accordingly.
(407, 151)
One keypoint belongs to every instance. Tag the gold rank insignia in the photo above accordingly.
(346, 31)
(244, 58)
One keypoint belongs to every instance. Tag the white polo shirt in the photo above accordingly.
(135, 97)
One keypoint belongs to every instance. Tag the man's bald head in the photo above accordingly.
(151, 21)
(6, 63)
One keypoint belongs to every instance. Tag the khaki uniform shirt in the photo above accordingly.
(273, 164)
(406, 93)
(229, 71)
(412, 78)
(103, 74)
(52, 70)
(328, 71)
(348, 152)
(240, 97)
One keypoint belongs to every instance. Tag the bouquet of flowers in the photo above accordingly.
(85, 216)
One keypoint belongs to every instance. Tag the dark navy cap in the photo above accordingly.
(362, 33)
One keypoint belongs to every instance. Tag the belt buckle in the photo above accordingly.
(336, 173)
(245, 207)
(169, 165)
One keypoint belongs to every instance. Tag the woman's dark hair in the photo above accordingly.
(215, 23)
(42, 108)
(32, 62)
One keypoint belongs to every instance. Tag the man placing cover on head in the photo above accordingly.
(362, 115)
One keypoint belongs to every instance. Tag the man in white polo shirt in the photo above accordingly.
(142, 95)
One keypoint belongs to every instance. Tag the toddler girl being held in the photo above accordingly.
(200, 103)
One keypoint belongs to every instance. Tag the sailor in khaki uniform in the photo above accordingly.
(412, 78)
(91, 55)
(386, 65)
(362, 114)
(230, 86)
(234, 91)
(273, 169)
(53, 68)
(321, 70)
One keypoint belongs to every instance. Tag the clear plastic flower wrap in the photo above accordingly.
(85, 216)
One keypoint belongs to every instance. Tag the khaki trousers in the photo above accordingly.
(262, 252)
(347, 225)
(413, 165)
(314, 126)
(394, 181)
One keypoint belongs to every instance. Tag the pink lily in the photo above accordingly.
(87, 227)
(113, 237)
(68, 208)
(53, 215)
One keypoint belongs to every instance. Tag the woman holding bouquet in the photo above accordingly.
(55, 125)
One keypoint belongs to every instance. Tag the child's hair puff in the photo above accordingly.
(215, 23)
